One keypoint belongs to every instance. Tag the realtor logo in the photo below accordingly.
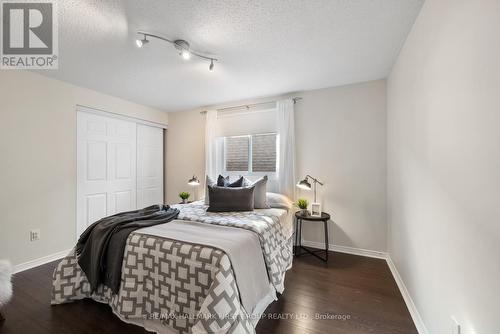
(29, 35)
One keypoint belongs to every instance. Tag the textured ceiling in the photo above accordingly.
(265, 47)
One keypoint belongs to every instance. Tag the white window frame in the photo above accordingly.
(250, 172)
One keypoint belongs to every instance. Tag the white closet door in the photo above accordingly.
(106, 167)
(149, 165)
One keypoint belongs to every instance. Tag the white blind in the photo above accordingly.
(237, 153)
(264, 153)
(251, 153)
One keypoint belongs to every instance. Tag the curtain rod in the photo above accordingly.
(295, 100)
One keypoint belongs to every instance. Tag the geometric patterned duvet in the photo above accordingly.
(170, 286)
(273, 233)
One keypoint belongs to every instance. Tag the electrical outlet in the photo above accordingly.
(35, 235)
(455, 326)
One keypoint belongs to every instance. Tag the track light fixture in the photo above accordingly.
(183, 48)
(141, 42)
(180, 45)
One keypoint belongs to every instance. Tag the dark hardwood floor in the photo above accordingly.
(349, 294)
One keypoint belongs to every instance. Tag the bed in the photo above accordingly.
(205, 272)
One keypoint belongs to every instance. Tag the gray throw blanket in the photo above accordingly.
(100, 248)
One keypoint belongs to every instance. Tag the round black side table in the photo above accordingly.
(299, 217)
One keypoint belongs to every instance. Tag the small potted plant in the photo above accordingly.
(302, 203)
(184, 196)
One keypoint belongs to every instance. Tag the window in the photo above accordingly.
(251, 153)
(264, 153)
(237, 152)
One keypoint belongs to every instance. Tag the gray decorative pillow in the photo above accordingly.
(225, 182)
(260, 199)
(225, 199)
(222, 181)
(208, 182)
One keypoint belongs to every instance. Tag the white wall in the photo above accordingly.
(341, 139)
(444, 164)
(38, 160)
(185, 154)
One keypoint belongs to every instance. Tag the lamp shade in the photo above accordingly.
(194, 181)
(304, 184)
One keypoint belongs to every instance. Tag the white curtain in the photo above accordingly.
(210, 144)
(285, 126)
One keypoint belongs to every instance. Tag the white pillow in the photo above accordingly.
(259, 194)
(279, 201)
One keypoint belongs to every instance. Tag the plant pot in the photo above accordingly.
(304, 212)
(184, 201)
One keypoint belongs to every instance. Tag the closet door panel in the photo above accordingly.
(106, 167)
(122, 181)
(97, 152)
(96, 207)
(149, 165)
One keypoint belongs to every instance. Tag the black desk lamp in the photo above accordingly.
(305, 184)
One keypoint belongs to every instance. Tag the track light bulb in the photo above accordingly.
(211, 67)
(185, 54)
(140, 42)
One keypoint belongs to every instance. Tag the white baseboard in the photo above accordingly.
(412, 308)
(345, 249)
(415, 315)
(38, 262)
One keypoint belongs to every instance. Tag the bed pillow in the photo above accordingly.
(279, 201)
(208, 182)
(221, 181)
(224, 182)
(259, 194)
(225, 199)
